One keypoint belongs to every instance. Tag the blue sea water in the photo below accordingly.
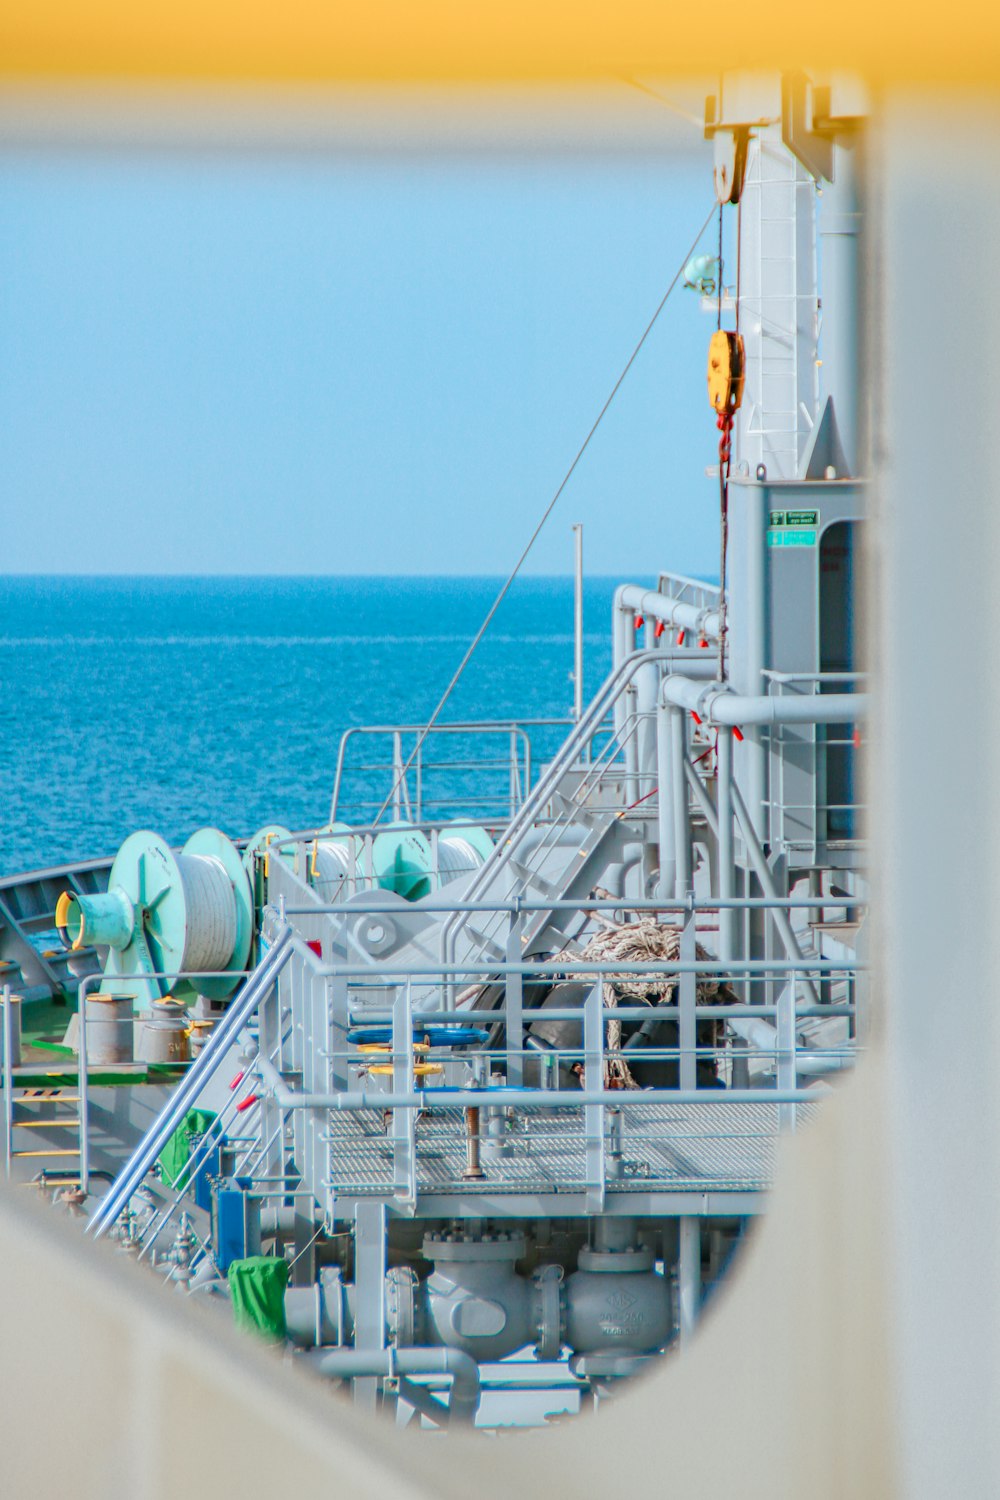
(170, 703)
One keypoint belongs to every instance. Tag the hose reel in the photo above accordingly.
(165, 913)
(335, 865)
(403, 859)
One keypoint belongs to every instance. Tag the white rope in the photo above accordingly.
(336, 871)
(210, 903)
(645, 941)
(456, 857)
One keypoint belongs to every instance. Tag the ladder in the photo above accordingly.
(32, 1115)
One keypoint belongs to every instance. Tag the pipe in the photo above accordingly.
(577, 622)
(678, 794)
(714, 704)
(763, 872)
(839, 225)
(423, 1401)
(647, 686)
(755, 505)
(666, 830)
(728, 919)
(287, 1098)
(674, 612)
(473, 1169)
(350, 1364)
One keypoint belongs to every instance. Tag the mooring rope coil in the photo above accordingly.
(456, 857)
(210, 904)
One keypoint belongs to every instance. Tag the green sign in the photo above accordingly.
(777, 518)
(801, 518)
(788, 536)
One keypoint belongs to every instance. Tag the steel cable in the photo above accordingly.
(456, 677)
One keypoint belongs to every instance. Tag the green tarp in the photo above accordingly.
(257, 1286)
(176, 1153)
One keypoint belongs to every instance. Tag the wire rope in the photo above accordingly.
(456, 676)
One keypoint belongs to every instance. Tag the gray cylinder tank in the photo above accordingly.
(110, 1029)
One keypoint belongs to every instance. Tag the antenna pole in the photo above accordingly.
(578, 623)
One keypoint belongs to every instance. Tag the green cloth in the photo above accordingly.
(257, 1286)
(177, 1152)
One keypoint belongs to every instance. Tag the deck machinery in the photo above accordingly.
(480, 1131)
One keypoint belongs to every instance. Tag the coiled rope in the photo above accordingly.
(210, 903)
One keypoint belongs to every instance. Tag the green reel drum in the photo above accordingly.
(165, 913)
(403, 859)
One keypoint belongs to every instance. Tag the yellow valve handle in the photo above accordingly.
(420, 1070)
(387, 1047)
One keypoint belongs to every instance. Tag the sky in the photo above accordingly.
(257, 362)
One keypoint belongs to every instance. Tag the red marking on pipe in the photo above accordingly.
(856, 737)
(695, 717)
(737, 734)
(661, 626)
(703, 644)
(639, 622)
(681, 637)
(235, 1083)
(315, 946)
(246, 1103)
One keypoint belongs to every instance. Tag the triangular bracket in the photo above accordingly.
(824, 449)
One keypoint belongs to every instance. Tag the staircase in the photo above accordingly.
(561, 844)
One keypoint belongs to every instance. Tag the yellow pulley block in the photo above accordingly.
(725, 371)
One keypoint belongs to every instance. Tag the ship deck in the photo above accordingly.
(701, 1157)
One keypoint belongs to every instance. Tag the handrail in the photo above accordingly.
(202, 1070)
(613, 685)
(467, 727)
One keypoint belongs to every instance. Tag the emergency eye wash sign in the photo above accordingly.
(793, 528)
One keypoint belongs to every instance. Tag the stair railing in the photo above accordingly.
(565, 758)
(246, 1001)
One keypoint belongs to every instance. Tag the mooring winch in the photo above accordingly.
(166, 915)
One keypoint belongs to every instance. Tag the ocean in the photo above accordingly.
(171, 703)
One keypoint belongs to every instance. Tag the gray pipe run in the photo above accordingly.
(352, 1364)
(715, 704)
(289, 1098)
(630, 597)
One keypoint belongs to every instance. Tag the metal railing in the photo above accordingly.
(472, 782)
(571, 752)
(813, 759)
(330, 1077)
(694, 591)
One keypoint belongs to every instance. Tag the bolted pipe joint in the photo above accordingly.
(549, 1303)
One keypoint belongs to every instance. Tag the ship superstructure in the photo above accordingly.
(460, 1108)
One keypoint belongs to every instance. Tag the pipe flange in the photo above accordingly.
(466, 1248)
(618, 1262)
(401, 1303)
(548, 1284)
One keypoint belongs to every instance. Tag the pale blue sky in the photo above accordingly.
(316, 364)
